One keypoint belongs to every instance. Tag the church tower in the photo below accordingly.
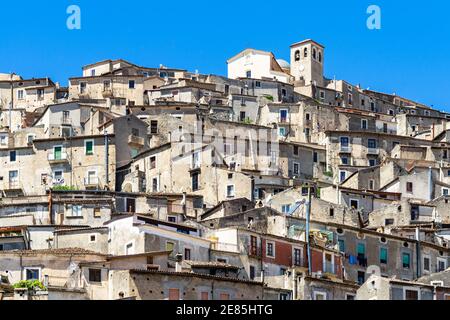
(307, 62)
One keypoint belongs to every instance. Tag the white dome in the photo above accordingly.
(283, 64)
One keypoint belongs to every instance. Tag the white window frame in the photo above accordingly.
(234, 191)
(34, 268)
(317, 293)
(157, 181)
(350, 203)
(350, 294)
(293, 168)
(95, 238)
(439, 259)
(366, 122)
(412, 289)
(267, 249)
(293, 255)
(85, 147)
(20, 94)
(54, 175)
(80, 211)
(284, 207)
(371, 182)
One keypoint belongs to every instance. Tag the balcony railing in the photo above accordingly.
(328, 268)
(283, 120)
(254, 251)
(91, 182)
(374, 151)
(346, 149)
(57, 157)
(12, 185)
(135, 140)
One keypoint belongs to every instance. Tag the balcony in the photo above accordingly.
(91, 183)
(373, 151)
(345, 149)
(135, 140)
(107, 93)
(283, 120)
(54, 158)
(11, 186)
(254, 251)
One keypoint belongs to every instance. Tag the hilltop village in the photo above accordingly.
(274, 182)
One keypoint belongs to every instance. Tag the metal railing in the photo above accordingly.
(374, 151)
(62, 156)
(347, 149)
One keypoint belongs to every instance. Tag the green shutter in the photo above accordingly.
(383, 255)
(89, 147)
(341, 245)
(361, 248)
(406, 260)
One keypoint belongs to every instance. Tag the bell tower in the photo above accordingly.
(307, 59)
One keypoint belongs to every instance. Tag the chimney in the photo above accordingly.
(179, 260)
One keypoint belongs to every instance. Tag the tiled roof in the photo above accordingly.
(61, 251)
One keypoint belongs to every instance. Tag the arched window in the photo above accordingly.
(305, 52)
(320, 56)
(314, 53)
(297, 55)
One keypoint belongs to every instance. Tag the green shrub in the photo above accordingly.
(30, 285)
(64, 188)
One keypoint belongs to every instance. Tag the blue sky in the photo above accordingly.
(408, 56)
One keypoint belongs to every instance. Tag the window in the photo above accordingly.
(322, 95)
(187, 254)
(445, 191)
(89, 147)
(297, 55)
(350, 99)
(391, 112)
(371, 184)
(372, 162)
(3, 140)
(305, 52)
(153, 127)
(284, 296)
(285, 208)
(252, 273)
(320, 56)
(270, 249)
(12, 156)
(95, 275)
(372, 143)
(383, 255)
(364, 124)
(282, 132)
(172, 219)
(341, 243)
(93, 73)
(297, 257)
(97, 213)
(230, 191)
(409, 187)
(296, 169)
(315, 157)
(106, 85)
(170, 246)
(194, 178)
(20, 94)
(248, 74)
(283, 115)
(331, 212)
(349, 296)
(92, 238)
(296, 150)
(406, 260)
(354, 204)
(155, 185)
(344, 160)
(83, 86)
(77, 211)
(32, 273)
(40, 94)
(441, 264)
(314, 53)
(30, 138)
(411, 294)
(242, 116)
(342, 175)
(153, 162)
(426, 264)
(131, 84)
(361, 277)
(319, 295)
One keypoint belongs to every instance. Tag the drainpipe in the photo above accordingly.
(418, 253)
(106, 160)
(294, 285)
(430, 183)
(308, 214)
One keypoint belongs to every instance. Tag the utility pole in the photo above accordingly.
(308, 215)
(106, 161)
